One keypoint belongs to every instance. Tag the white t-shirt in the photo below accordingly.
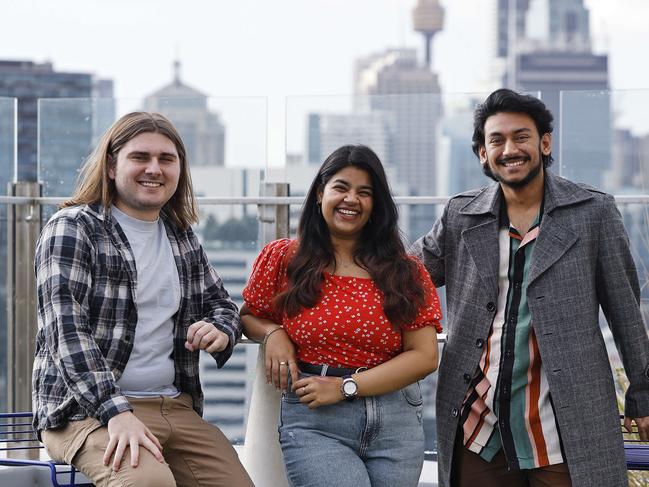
(150, 369)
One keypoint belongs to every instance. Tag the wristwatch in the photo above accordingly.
(349, 388)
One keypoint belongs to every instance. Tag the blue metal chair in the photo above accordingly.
(16, 434)
(635, 451)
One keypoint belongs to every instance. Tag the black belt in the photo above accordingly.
(331, 371)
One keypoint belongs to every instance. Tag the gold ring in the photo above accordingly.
(283, 363)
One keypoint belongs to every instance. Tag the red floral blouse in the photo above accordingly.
(347, 327)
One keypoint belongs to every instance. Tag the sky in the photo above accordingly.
(281, 48)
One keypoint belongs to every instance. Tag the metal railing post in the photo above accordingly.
(273, 219)
(266, 469)
(23, 228)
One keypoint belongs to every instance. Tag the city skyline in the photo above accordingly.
(286, 51)
(284, 47)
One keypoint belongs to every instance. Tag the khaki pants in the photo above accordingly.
(196, 452)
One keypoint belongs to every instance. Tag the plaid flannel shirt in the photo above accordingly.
(87, 314)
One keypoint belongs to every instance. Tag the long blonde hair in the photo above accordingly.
(95, 186)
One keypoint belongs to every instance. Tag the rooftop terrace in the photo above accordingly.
(424, 140)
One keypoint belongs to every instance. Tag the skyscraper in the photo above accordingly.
(28, 82)
(39, 139)
(511, 15)
(407, 93)
(552, 55)
(201, 129)
(328, 131)
(563, 22)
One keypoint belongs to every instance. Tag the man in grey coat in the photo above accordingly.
(526, 395)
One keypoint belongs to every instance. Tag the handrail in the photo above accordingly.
(286, 200)
(441, 338)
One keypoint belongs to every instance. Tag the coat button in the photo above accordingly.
(491, 306)
(479, 343)
(467, 378)
(455, 412)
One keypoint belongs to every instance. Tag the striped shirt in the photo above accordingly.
(508, 403)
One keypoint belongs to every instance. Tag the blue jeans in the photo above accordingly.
(375, 441)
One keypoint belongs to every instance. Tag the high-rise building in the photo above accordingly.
(463, 171)
(328, 131)
(7, 148)
(582, 127)
(553, 55)
(511, 16)
(563, 22)
(407, 93)
(7, 141)
(103, 108)
(202, 130)
(630, 171)
(227, 390)
(30, 82)
(53, 133)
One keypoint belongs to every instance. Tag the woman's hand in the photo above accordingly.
(316, 391)
(280, 359)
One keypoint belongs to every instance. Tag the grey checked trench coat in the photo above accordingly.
(581, 261)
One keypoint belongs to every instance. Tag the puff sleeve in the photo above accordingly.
(268, 279)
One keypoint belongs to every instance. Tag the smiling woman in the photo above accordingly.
(346, 203)
(348, 322)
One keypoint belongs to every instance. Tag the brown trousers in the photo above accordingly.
(196, 453)
(469, 470)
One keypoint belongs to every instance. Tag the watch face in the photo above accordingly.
(349, 387)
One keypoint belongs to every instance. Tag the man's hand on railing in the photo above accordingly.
(125, 430)
(643, 426)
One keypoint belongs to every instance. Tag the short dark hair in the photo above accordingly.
(508, 101)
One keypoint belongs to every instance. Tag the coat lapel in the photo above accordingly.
(481, 239)
(481, 242)
(553, 241)
(555, 236)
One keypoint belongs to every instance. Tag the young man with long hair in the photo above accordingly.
(126, 300)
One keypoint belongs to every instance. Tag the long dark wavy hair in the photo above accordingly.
(380, 249)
